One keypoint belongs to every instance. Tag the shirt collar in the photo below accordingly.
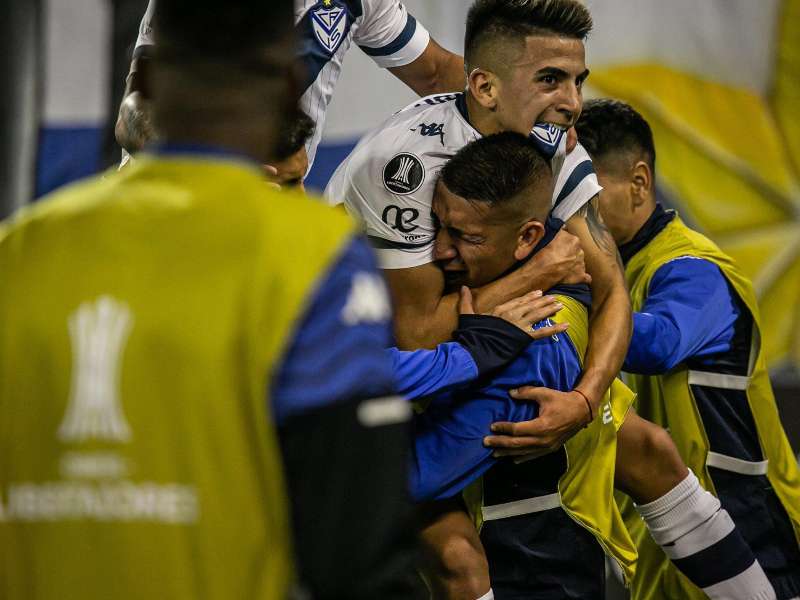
(655, 223)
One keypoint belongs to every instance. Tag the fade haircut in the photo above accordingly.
(611, 130)
(496, 170)
(295, 132)
(206, 30)
(516, 19)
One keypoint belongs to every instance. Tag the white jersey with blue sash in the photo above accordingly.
(383, 29)
(387, 181)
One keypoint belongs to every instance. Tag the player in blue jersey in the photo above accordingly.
(505, 215)
(695, 361)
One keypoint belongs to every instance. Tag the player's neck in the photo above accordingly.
(250, 137)
(481, 118)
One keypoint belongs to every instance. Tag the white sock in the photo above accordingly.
(488, 595)
(701, 539)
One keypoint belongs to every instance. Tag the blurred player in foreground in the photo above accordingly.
(187, 357)
(698, 369)
(383, 29)
(289, 167)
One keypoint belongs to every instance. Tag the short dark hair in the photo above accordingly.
(488, 19)
(495, 169)
(608, 127)
(206, 29)
(295, 132)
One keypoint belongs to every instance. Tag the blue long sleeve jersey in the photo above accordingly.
(690, 312)
(448, 452)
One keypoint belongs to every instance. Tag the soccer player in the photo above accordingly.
(696, 363)
(383, 29)
(531, 547)
(187, 357)
(526, 64)
(290, 164)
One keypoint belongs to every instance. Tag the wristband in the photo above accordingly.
(588, 405)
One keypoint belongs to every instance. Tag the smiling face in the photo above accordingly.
(477, 242)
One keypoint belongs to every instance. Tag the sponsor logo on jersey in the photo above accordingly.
(401, 219)
(431, 130)
(403, 174)
(329, 22)
(547, 137)
(98, 331)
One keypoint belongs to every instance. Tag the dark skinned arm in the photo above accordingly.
(134, 128)
(435, 71)
(562, 414)
(426, 316)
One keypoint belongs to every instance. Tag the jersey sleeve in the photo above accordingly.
(338, 351)
(389, 192)
(576, 184)
(145, 29)
(419, 373)
(447, 449)
(390, 35)
(690, 311)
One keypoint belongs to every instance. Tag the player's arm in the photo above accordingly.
(426, 315)
(690, 311)
(344, 439)
(610, 323)
(562, 414)
(436, 71)
(483, 343)
(395, 40)
(133, 128)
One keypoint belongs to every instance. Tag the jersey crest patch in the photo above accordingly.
(329, 22)
(403, 174)
(547, 138)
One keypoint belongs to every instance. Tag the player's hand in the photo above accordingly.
(561, 415)
(563, 257)
(523, 312)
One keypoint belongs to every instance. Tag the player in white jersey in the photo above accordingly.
(525, 63)
(388, 180)
(326, 29)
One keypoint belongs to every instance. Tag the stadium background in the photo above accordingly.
(719, 81)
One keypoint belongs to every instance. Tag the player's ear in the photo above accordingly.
(529, 235)
(641, 183)
(483, 87)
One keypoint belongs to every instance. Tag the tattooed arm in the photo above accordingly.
(610, 323)
(562, 414)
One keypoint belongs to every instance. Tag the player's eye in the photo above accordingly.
(548, 79)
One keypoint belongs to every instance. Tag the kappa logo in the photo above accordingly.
(403, 218)
(368, 301)
(547, 138)
(329, 22)
(99, 331)
(403, 174)
(431, 130)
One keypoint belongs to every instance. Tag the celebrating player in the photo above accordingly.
(383, 29)
(186, 355)
(698, 368)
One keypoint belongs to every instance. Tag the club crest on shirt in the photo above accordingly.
(547, 137)
(329, 22)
